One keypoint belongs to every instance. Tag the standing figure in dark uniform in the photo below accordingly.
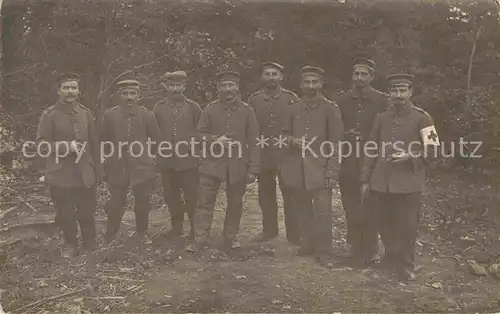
(177, 118)
(124, 132)
(394, 173)
(359, 107)
(72, 168)
(314, 133)
(271, 105)
(230, 130)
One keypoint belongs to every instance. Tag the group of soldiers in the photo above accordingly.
(380, 194)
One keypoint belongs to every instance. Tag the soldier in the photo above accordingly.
(177, 118)
(271, 105)
(359, 106)
(230, 153)
(125, 132)
(314, 131)
(406, 139)
(68, 138)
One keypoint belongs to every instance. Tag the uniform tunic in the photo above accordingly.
(320, 123)
(238, 121)
(132, 126)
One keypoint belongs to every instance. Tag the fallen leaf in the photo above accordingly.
(42, 284)
(495, 270)
(437, 285)
(478, 270)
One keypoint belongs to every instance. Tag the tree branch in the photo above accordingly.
(471, 60)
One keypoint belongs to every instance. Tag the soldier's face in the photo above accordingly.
(400, 94)
(129, 95)
(69, 91)
(228, 89)
(362, 76)
(311, 84)
(272, 77)
(175, 89)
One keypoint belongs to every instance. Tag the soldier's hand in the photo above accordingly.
(399, 157)
(75, 146)
(224, 140)
(365, 191)
(72, 146)
(330, 183)
(297, 142)
(251, 178)
(352, 133)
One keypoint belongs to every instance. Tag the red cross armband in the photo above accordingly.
(429, 136)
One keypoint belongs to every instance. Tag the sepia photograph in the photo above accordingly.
(250, 156)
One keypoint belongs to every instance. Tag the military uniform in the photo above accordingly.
(127, 128)
(177, 119)
(319, 121)
(237, 120)
(397, 187)
(359, 110)
(271, 111)
(72, 183)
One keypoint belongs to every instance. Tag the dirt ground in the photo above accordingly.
(457, 222)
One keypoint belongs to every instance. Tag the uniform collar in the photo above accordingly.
(363, 95)
(67, 108)
(233, 105)
(130, 111)
(177, 103)
(402, 112)
(312, 103)
(275, 94)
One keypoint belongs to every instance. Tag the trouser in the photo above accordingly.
(175, 182)
(399, 216)
(115, 207)
(269, 206)
(207, 194)
(76, 205)
(361, 219)
(314, 213)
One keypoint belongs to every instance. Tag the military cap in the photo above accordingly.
(128, 84)
(127, 79)
(400, 79)
(273, 65)
(177, 76)
(228, 76)
(65, 77)
(364, 62)
(310, 70)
